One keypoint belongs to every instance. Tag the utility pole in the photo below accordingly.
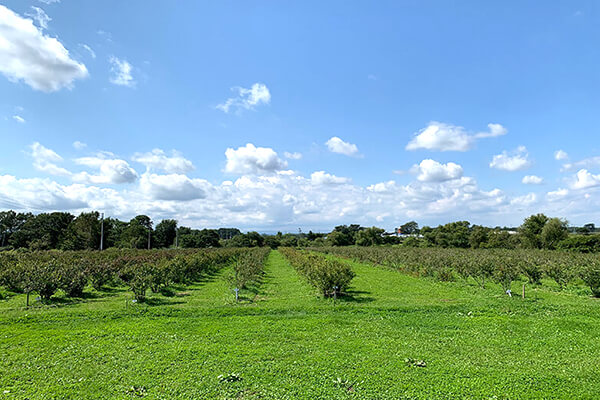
(102, 233)
(176, 237)
(149, 239)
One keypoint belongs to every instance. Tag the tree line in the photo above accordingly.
(88, 231)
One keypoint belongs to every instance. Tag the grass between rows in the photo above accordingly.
(285, 342)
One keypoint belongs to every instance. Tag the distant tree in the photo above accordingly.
(337, 238)
(42, 232)
(228, 233)
(289, 240)
(370, 236)
(208, 238)
(11, 222)
(531, 231)
(113, 229)
(479, 236)
(165, 232)
(586, 229)
(553, 232)
(453, 234)
(255, 239)
(590, 227)
(581, 243)
(250, 239)
(193, 238)
(312, 236)
(501, 239)
(83, 233)
(410, 228)
(272, 241)
(136, 234)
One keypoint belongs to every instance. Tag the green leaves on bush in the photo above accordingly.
(328, 275)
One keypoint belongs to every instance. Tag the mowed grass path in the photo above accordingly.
(287, 343)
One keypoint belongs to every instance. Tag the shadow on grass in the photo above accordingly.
(356, 296)
(152, 302)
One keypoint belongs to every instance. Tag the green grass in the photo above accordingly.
(284, 342)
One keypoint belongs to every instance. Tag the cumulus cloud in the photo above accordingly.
(121, 72)
(584, 179)
(247, 99)
(251, 159)
(27, 55)
(176, 187)
(560, 155)
(79, 145)
(19, 119)
(292, 156)
(337, 145)
(110, 170)
(383, 187)
(557, 194)
(285, 200)
(514, 161)
(159, 160)
(532, 180)
(323, 178)
(525, 200)
(447, 137)
(45, 160)
(433, 171)
(39, 195)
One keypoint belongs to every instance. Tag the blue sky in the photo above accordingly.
(281, 115)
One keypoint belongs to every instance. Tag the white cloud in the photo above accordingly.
(89, 50)
(560, 155)
(323, 178)
(45, 160)
(38, 195)
(175, 187)
(292, 156)
(27, 54)
(532, 180)
(40, 17)
(247, 98)
(157, 159)
(110, 170)
(252, 159)
(433, 171)
(584, 179)
(79, 145)
(285, 200)
(495, 130)
(19, 119)
(121, 72)
(557, 194)
(525, 200)
(337, 145)
(49, 1)
(382, 187)
(514, 161)
(586, 163)
(447, 137)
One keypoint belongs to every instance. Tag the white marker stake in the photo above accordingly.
(236, 293)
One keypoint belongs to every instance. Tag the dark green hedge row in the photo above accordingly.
(48, 271)
(329, 276)
(501, 265)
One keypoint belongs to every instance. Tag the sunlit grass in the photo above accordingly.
(282, 341)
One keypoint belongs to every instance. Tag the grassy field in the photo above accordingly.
(284, 342)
